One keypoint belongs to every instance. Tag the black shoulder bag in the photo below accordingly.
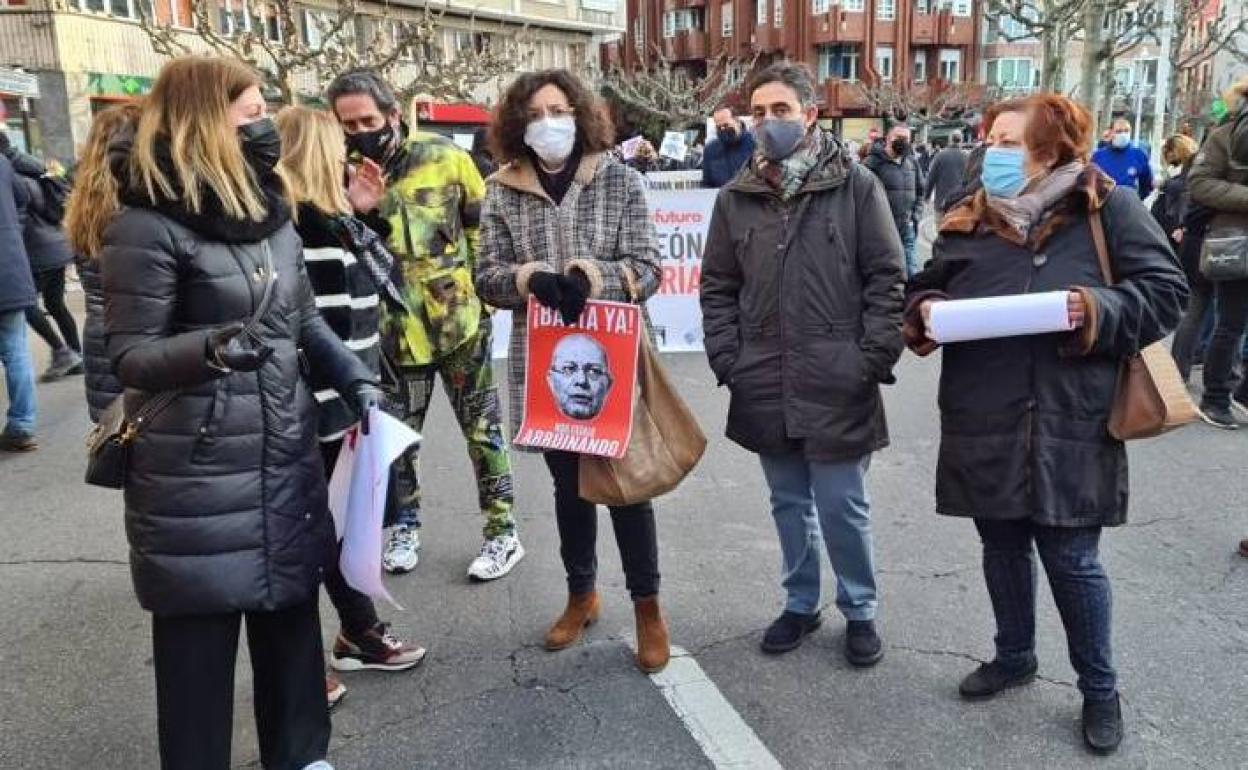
(108, 443)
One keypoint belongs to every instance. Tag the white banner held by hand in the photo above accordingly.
(991, 317)
(358, 498)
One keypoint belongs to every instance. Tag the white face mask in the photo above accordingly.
(552, 138)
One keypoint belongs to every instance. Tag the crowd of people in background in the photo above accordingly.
(270, 281)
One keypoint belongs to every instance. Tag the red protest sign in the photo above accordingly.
(580, 380)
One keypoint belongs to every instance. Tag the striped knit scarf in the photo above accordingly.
(368, 248)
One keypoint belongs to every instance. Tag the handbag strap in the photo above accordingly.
(1102, 248)
(159, 402)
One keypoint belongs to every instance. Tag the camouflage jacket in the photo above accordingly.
(433, 206)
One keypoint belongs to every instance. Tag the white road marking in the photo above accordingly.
(725, 738)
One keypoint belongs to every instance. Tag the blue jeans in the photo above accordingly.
(19, 374)
(810, 500)
(1080, 590)
(910, 244)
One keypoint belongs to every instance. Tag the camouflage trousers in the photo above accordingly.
(468, 377)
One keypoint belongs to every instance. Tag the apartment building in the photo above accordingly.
(849, 44)
(63, 60)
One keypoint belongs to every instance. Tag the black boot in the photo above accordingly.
(862, 644)
(1102, 725)
(993, 678)
(788, 631)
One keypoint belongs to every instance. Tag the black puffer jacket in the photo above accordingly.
(903, 184)
(46, 243)
(100, 381)
(225, 496)
(801, 305)
(1023, 419)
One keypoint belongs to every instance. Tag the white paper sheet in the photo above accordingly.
(357, 498)
(992, 317)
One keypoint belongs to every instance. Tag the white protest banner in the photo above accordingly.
(681, 219)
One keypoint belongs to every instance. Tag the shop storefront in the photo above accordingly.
(105, 90)
(17, 89)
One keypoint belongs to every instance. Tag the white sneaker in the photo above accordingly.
(319, 764)
(402, 550)
(498, 556)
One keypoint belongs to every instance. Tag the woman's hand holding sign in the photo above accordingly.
(565, 293)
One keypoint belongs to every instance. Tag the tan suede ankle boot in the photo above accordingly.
(581, 612)
(653, 646)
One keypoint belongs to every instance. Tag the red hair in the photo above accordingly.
(1059, 130)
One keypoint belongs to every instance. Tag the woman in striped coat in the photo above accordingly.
(351, 272)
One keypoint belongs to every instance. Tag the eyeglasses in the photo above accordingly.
(552, 112)
(592, 372)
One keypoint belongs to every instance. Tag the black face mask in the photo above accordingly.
(901, 147)
(728, 135)
(374, 145)
(262, 144)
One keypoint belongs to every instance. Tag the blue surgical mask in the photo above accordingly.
(1120, 140)
(1003, 175)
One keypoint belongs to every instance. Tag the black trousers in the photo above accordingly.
(356, 611)
(195, 655)
(1228, 340)
(51, 284)
(578, 533)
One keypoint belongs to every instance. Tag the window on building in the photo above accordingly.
(884, 62)
(314, 23)
(838, 61)
(922, 6)
(669, 24)
(819, 7)
(1146, 73)
(779, 4)
(962, 8)
(951, 64)
(682, 21)
(920, 66)
(122, 9)
(169, 13)
(273, 26)
(1007, 29)
(639, 34)
(1123, 79)
(762, 11)
(886, 10)
(856, 6)
(1009, 73)
(725, 19)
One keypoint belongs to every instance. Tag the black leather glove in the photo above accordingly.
(548, 288)
(227, 352)
(364, 396)
(575, 291)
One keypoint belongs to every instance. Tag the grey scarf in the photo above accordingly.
(1024, 211)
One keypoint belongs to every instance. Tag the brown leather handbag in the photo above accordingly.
(666, 444)
(1152, 397)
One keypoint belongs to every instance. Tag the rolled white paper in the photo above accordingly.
(991, 317)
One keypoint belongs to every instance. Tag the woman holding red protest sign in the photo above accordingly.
(565, 223)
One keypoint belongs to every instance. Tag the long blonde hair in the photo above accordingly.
(93, 202)
(188, 109)
(313, 158)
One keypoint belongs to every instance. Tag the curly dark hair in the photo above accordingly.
(594, 131)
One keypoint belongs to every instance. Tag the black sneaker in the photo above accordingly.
(788, 631)
(1102, 725)
(1239, 403)
(862, 644)
(993, 678)
(18, 442)
(1219, 417)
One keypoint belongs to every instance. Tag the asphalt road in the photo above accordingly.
(77, 686)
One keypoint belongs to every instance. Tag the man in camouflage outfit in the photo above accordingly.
(428, 206)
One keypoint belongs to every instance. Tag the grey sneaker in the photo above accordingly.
(65, 361)
(498, 556)
(402, 550)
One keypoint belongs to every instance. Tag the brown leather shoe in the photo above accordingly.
(581, 612)
(653, 646)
